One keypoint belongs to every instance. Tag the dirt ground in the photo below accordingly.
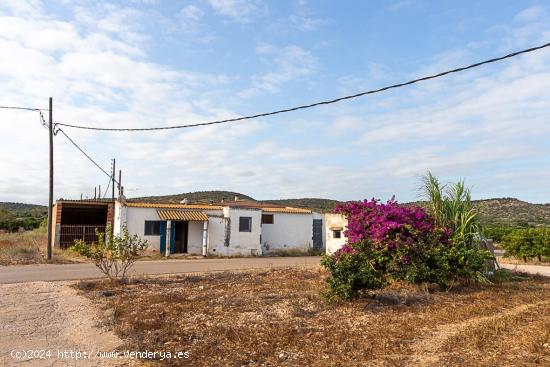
(277, 318)
(52, 316)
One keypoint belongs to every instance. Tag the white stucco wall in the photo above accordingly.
(216, 235)
(194, 238)
(289, 231)
(334, 220)
(135, 221)
(244, 243)
(119, 216)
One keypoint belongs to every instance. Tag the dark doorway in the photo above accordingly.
(317, 234)
(181, 235)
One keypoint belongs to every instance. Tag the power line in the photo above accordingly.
(22, 108)
(59, 130)
(45, 125)
(108, 185)
(302, 107)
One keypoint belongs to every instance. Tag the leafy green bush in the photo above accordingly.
(497, 233)
(113, 255)
(527, 243)
(351, 274)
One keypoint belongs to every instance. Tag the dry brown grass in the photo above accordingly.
(29, 247)
(532, 261)
(277, 318)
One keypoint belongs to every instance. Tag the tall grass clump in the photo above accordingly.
(451, 206)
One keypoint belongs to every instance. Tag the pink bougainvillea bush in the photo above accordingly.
(388, 242)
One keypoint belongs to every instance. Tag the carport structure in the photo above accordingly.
(80, 220)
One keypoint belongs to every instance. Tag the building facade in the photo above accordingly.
(335, 225)
(234, 228)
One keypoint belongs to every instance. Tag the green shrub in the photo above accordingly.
(527, 243)
(113, 255)
(497, 233)
(351, 274)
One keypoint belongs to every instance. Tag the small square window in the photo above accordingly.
(337, 233)
(245, 224)
(267, 218)
(152, 228)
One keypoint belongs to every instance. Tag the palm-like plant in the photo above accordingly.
(451, 206)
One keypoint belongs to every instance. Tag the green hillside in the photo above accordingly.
(509, 211)
(317, 205)
(501, 211)
(18, 215)
(197, 196)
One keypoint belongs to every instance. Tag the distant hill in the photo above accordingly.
(24, 210)
(18, 215)
(198, 196)
(315, 204)
(509, 211)
(502, 211)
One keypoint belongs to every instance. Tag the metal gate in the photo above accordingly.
(317, 234)
(71, 232)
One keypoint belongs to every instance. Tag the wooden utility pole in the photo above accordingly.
(119, 182)
(113, 178)
(50, 200)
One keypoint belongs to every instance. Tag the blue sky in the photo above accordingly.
(144, 63)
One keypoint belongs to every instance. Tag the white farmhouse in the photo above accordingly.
(236, 228)
(229, 228)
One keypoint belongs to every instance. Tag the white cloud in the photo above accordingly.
(98, 68)
(297, 22)
(99, 78)
(191, 13)
(529, 14)
(243, 11)
(288, 64)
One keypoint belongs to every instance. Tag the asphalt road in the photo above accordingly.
(57, 272)
(531, 269)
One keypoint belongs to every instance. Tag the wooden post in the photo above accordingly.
(113, 179)
(50, 193)
(119, 183)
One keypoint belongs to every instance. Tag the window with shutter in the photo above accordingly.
(245, 224)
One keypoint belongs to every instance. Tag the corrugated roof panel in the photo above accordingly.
(184, 215)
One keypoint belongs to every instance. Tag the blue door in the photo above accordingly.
(173, 238)
(163, 237)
